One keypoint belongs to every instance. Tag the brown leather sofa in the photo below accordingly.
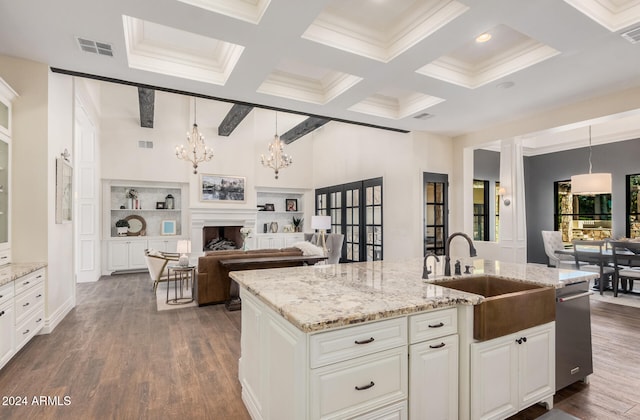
(213, 279)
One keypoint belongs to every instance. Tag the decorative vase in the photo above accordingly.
(130, 203)
(274, 227)
(265, 228)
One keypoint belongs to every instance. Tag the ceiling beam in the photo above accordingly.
(146, 99)
(304, 128)
(200, 95)
(234, 117)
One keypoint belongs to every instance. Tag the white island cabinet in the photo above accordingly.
(373, 340)
(353, 372)
(513, 372)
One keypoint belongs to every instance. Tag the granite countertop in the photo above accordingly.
(314, 298)
(13, 271)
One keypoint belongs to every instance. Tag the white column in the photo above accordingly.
(513, 223)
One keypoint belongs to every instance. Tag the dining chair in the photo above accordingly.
(589, 257)
(552, 240)
(626, 261)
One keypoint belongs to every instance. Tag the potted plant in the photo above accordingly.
(122, 227)
(297, 223)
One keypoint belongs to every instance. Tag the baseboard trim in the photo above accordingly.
(52, 321)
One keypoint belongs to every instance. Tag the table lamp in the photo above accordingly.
(183, 248)
(321, 223)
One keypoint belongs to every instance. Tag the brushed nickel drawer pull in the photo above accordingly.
(437, 346)
(40, 295)
(1, 313)
(362, 388)
(26, 332)
(370, 340)
(26, 304)
(438, 325)
(25, 283)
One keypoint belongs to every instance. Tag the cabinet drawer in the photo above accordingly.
(30, 327)
(348, 343)
(346, 389)
(6, 293)
(434, 324)
(30, 280)
(397, 411)
(28, 300)
(5, 257)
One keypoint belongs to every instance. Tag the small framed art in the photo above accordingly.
(168, 227)
(291, 204)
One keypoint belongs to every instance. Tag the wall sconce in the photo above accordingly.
(66, 155)
(502, 192)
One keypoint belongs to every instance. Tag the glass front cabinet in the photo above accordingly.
(7, 96)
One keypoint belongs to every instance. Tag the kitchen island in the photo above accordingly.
(374, 340)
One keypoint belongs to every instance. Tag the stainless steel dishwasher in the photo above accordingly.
(573, 334)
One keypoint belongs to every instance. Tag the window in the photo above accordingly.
(356, 211)
(435, 212)
(581, 216)
(633, 206)
(480, 210)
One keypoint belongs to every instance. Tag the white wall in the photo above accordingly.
(61, 275)
(345, 153)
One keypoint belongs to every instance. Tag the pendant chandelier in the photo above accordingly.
(591, 183)
(277, 158)
(195, 151)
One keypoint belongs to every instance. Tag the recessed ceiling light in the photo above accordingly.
(505, 85)
(483, 38)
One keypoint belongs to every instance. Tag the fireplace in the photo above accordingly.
(207, 224)
(216, 238)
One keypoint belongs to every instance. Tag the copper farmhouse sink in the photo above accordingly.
(509, 305)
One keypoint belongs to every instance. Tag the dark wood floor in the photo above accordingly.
(116, 357)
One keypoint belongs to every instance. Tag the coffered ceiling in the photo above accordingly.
(402, 64)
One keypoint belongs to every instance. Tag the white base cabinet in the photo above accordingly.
(128, 253)
(511, 373)
(21, 312)
(277, 240)
(356, 372)
(433, 366)
(7, 323)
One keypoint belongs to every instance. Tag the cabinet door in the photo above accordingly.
(537, 364)
(250, 366)
(7, 328)
(494, 378)
(136, 254)
(164, 245)
(433, 379)
(118, 255)
(270, 242)
(292, 238)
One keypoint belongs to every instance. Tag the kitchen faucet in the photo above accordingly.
(425, 270)
(447, 250)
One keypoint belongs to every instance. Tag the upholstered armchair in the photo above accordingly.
(334, 243)
(157, 265)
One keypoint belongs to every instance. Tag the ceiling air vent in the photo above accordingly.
(143, 144)
(100, 48)
(423, 116)
(632, 35)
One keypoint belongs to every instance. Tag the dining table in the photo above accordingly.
(604, 257)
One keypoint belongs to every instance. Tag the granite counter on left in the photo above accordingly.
(14, 271)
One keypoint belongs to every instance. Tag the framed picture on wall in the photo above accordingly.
(64, 186)
(222, 188)
(168, 227)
